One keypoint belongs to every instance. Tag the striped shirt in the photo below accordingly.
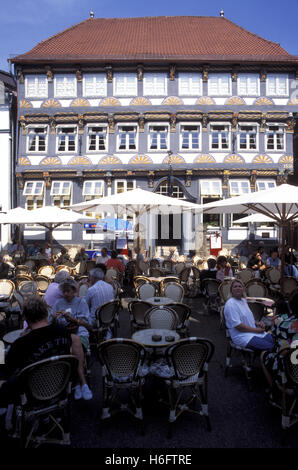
(100, 293)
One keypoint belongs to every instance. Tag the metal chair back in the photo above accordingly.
(245, 275)
(256, 288)
(7, 287)
(179, 267)
(174, 291)
(28, 289)
(43, 283)
(154, 263)
(64, 267)
(22, 269)
(189, 355)
(273, 275)
(161, 317)
(47, 271)
(105, 314)
(121, 358)
(288, 285)
(224, 290)
(146, 290)
(137, 310)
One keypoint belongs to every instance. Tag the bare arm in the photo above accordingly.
(248, 329)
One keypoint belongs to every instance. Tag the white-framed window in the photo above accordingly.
(36, 86)
(66, 139)
(275, 137)
(33, 188)
(190, 84)
(248, 84)
(61, 188)
(127, 137)
(65, 86)
(239, 187)
(219, 84)
(37, 138)
(177, 192)
(277, 84)
(234, 221)
(125, 84)
(93, 189)
(220, 136)
(247, 137)
(265, 184)
(211, 187)
(97, 138)
(190, 136)
(158, 137)
(123, 185)
(155, 84)
(95, 84)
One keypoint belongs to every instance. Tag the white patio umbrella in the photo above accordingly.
(257, 218)
(14, 216)
(136, 202)
(50, 217)
(279, 203)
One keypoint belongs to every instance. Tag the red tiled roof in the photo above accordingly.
(163, 38)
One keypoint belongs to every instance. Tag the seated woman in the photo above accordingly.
(284, 331)
(243, 329)
(72, 312)
(223, 269)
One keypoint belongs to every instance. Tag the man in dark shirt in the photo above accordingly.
(41, 342)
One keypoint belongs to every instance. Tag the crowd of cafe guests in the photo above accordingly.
(65, 317)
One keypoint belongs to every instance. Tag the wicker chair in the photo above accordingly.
(43, 283)
(137, 310)
(156, 272)
(189, 359)
(7, 288)
(167, 279)
(46, 390)
(161, 317)
(122, 362)
(139, 280)
(288, 285)
(47, 271)
(154, 263)
(212, 296)
(184, 278)
(106, 319)
(256, 288)
(63, 267)
(168, 265)
(20, 278)
(31, 265)
(22, 269)
(174, 291)
(179, 267)
(146, 291)
(224, 290)
(28, 289)
(245, 275)
(183, 311)
(273, 275)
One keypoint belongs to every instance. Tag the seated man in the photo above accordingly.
(81, 255)
(41, 341)
(63, 258)
(115, 263)
(98, 293)
(34, 249)
(53, 293)
(209, 273)
(103, 258)
(273, 261)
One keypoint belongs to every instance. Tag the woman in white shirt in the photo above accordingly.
(244, 331)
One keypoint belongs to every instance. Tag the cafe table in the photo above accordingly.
(149, 337)
(159, 300)
(12, 336)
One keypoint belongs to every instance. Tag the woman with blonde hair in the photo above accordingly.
(243, 329)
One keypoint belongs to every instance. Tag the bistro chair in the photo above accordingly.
(139, 280)
(107, 318)
(288, 285)
(20, 278)
(258, 310)
(154, 263)
(188, 361)
(183, 311)
(224, 290)
(43, 417)
(43, 283)
(31, 265)
(137, 310)
(7, 288)
(245, 275)
(184, 278)
(174, 291)
(273, 275)
(179, 267)
(161, 317)
(47, 271)
(212, 295)
(63, 267)
(146, 291)
(122, 365)
(28, 289)
(156, 272)
(167, 279)
(168, 265)
(22, 269)
(256, 288)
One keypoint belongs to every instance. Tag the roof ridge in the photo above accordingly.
(256, 35)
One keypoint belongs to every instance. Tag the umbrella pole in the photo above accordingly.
(20, 240)
(51, 243)
(283, 240)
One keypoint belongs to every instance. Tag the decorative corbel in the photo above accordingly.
(109, 179)
(81, 123)
(20, 180)
(253, 179)
(47, 179)
(204, 122)
(80, 178)
(109, 72)
(111, 124)
(141, 123)
(234, 122)
(226, 177)
(263, 75)
(140, 72)
(234, 75)
(52, 125)
(205, 73)
(173, 120)
(79, 75)
(23, 125)
(172, 72)
(151, 179)
(263, 122)
(49, 73)
(188, 178)
(291, 123)
(21, 76)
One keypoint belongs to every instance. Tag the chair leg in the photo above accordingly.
(172, 416)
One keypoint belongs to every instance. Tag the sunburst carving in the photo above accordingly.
(205, 100)
(263, 101)
(262, 159)
(51, 103)
(51, 161)
(110, 102)
(24, 161)
(233, 159)
(79, 161)
(293, 102)
(286, 160)
(140, 159)
(205, 159)
(235, 100)
(174, 159)
(140, 101)
(172, 101)
(80, 102)
(110, 160)
(25, 104)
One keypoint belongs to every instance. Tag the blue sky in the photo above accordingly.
(24, 23)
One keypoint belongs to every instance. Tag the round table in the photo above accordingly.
(145, 337)
(12, 336)
(159, 300)
(263, 300)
